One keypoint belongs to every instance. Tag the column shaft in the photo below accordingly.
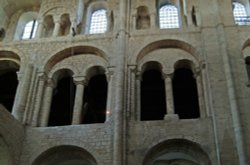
(200, 95)
(109, 98)
(169, 95)
(19, 107)
(56, 29)
(77, 112)
(38, 101)
(138, 98)
(47, 99)
(170, 114)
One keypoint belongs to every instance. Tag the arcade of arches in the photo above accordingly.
(131, 82)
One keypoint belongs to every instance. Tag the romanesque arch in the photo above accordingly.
(179, 151)
(174, 57)
(168, 43)
(72, 51)
(66, 155)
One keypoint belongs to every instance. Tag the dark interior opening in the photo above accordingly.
(247, 61)
(95, 98)
(8, 85)
(153, 100)
(62, 103)
(185, 94)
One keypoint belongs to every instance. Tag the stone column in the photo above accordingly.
(47, 99)
(169, 98)
(109, 108)
(19, 86)
(57, 27)
(73, 26)
(132, 92)
(138, 95)
(39, 29)
(77, 112)
(19, 107)
(197, 76)
(39, 97)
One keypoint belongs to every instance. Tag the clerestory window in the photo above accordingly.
(98, 23)
(240, 14)
(168, 17)
(30, 30)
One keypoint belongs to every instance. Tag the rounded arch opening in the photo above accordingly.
(153, 98)
(95, 96)
(185, 91)
(65, 155)
(63, 99)
(23, 20)
(163, 44)
(179, 151)
(8, 83)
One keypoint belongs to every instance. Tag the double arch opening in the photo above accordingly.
(172, 90)
(77, 94)
(77, 101)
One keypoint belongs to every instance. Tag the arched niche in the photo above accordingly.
(5, 157)
(65, 155)
(179, 151)
(49, 25)
(65, 25)
(142, 18)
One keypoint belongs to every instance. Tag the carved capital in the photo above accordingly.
(80, 80)
(51, 83)
(168, 75)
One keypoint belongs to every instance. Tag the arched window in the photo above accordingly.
(153, 102)
(240, 14)
(168, 17)
(62, 102)
(247, 61)
(185, 94)
(95, 98)
(26, 26)
(98, 22)
(30, 30)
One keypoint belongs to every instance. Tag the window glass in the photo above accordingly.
(168, 16)
(98, 22)
(30, 30)
(240, 15)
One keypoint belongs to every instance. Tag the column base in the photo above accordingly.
(171, 117)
